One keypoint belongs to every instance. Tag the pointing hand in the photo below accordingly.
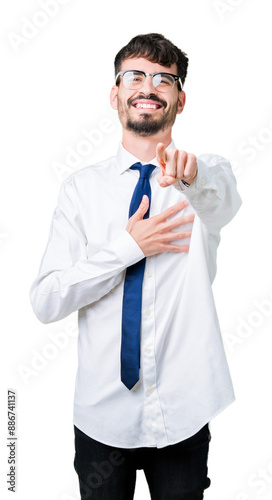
(176, 166)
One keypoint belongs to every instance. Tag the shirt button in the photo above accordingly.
(150, 390)
(202, 182)
(148, 351)
(148, 275)
(148, 312)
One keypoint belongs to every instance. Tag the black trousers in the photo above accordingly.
(176, 472)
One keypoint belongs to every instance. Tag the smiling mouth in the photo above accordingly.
(150, 103)
(144, 105)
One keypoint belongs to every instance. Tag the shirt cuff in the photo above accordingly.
(180, 186)
(127, 250)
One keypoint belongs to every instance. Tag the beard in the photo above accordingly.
(146, 125)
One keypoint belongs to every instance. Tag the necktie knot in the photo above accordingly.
(145, 170)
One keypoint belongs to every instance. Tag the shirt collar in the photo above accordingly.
(125, 159)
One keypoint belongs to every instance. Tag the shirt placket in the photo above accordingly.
(154, 422)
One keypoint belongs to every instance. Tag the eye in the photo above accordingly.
(138, 76)
(166, 80)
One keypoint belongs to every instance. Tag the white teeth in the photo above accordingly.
(143, 105)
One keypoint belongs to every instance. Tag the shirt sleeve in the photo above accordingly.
(68, 280)
(213, 193)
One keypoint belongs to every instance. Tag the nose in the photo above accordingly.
(147, 87)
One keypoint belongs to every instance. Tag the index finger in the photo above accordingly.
(169, 212)
(161, 155)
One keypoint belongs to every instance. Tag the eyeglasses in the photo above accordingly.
(162, 82)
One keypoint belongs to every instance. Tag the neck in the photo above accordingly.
(144, 148)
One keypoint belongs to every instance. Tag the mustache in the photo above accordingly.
(150, 96)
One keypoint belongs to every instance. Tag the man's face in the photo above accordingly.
(132, 108)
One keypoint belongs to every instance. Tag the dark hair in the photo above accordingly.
(155, 48)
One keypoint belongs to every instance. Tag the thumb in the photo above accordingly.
(139, 214)
(142, 209)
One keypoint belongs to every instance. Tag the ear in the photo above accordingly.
(113, 96)
(181, 101)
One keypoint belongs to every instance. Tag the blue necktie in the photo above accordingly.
(132, 299)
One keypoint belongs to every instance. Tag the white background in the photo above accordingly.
(54, 85)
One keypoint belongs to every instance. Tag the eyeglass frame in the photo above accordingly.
(176, 78)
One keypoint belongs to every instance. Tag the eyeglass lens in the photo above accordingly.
(162, 82)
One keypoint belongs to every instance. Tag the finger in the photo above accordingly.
(179, 221)
(176, 248)
(169, 212)
(174, 235)
(142, 209)
(190, 167)
(171, 163)
(181, 162)
(165, 180)
(161, 156)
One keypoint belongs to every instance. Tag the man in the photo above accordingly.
(152, 371)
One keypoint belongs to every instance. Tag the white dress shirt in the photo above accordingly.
(184, 376)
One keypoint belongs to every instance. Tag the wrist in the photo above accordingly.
(188, 182)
